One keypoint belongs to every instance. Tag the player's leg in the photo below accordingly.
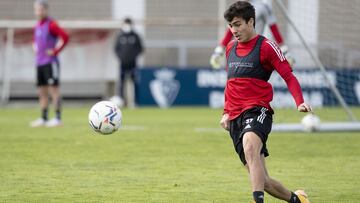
(276, 189)
(43, 98)
(134, 86)
(44, 103)
(252, 146)
(54, 90)
(56, 100)
(256, 126)
(121, 86)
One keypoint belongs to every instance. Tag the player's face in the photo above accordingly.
(241, 30)
(40, 11)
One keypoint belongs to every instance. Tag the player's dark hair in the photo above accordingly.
(240, 9)
(128, 20)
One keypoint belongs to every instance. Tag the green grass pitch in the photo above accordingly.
(160, 156)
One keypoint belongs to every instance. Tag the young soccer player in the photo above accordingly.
(49, 40)
(265, 17)
(251, 58)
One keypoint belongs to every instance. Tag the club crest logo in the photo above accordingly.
(164, 88)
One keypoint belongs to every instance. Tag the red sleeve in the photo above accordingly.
(227, 38)
(276, 33)
(272, 57)
(56, 30)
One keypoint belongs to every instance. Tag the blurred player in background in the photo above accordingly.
(127, 48)
(49, 40)
(251, 58)
(264, 17)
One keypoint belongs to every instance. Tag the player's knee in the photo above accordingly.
(251, 147)
(250, 153)
(43, 94)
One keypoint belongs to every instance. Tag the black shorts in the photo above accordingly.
(257, 120)
(48, 74)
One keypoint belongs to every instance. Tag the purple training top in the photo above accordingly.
(44, 41)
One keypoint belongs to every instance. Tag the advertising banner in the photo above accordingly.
(167, 87)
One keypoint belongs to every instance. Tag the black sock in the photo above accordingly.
(44, 114)
(58, 110)
(258, 196)
(58, 114)
(294, 198)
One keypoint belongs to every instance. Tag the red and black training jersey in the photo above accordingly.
(249, 66)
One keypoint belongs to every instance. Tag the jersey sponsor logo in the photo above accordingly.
(164, 88)
(277, 50)
(241, 64)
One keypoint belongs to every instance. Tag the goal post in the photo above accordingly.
(6, 71)
(353, 125)
(318, 63)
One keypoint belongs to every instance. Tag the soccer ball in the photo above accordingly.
(310, 122)
(117, 101)
(105, 117)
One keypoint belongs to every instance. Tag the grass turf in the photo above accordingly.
(160, 157)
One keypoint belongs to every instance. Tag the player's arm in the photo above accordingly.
(59, 32)
(218, 53)
(276, 59)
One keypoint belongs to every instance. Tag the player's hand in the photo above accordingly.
(285, 50)
(216, 57)
(304, 107)
(35, 49)
(225, 122)
(50, 52)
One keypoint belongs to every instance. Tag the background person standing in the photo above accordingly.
(127, 48)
